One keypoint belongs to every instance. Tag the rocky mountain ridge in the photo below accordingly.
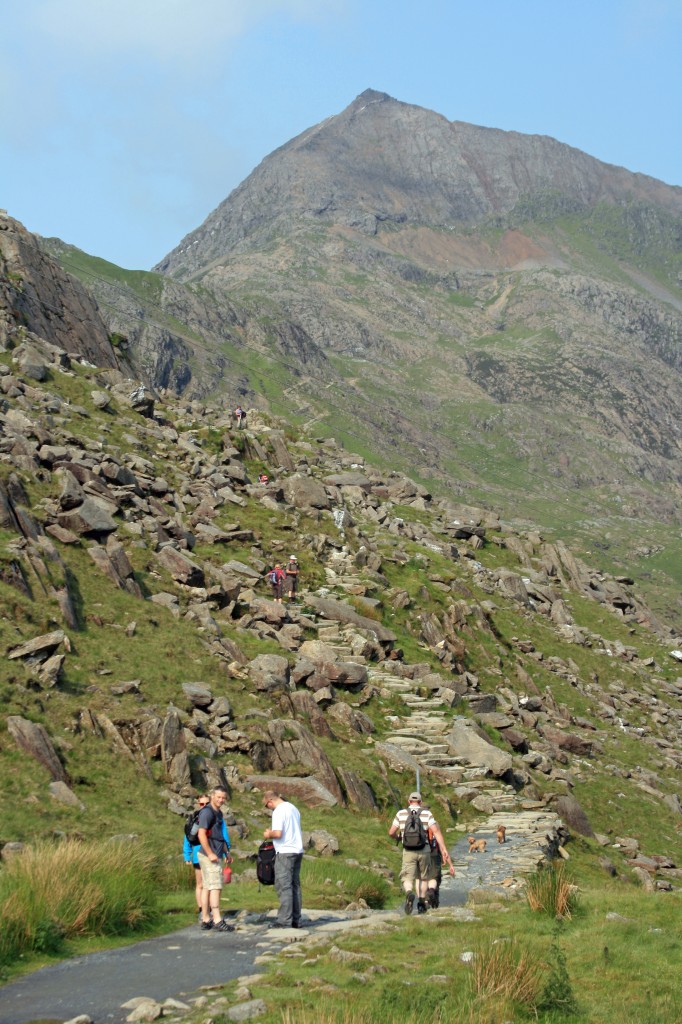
(382, 162)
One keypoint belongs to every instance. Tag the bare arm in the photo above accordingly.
(272, 833)
(202, 836)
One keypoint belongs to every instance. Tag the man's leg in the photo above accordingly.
(408, 876)
(205, 866)
(284, 887)
(198, 887)
(297, 896)
(214, 900)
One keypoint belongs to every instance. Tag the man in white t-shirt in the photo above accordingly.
(286, 836)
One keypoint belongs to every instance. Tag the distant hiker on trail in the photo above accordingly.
(286, 835)
(263, 478)
(411, 825)
(276, 580)
(190, 850)
(240, 417)
(291, 573)
(214, 850)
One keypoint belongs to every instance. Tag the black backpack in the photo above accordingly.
(414, 833)
(265, 863)
(192, 828)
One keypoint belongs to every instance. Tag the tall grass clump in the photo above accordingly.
(57, 891)
(551, 891)
(504, 973)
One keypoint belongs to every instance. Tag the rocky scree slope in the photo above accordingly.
(139, 642)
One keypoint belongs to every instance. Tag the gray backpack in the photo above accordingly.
(414, 833)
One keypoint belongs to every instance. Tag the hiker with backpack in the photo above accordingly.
(435, 876)
(411, 825)
(191, 847)
(212, 855)
(285, 833)
(276, 581)
(291, 573)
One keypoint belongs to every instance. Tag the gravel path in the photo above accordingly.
(174, 965)
(179, 964)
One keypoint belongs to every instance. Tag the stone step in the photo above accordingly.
(441, 759)
(425, 702)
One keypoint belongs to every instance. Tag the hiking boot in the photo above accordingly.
(432, 898)
(409, 902)
(206, 926)
(224, 926)
(421, 907)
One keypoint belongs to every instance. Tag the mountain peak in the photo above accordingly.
(370, 96)
(384, 161)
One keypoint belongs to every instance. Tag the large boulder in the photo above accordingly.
(308, 791)
(290, 743)
(337, 610)
(567, 741)
(93, 516)
(269, 672)
(33, 739)
(305, 492)
(181, 568)
(473, 746)
(572, 814)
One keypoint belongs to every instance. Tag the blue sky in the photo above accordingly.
(125, 122)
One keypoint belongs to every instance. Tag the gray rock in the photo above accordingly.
(198, 694)
(181, 568)
(305, 492)
(34, 740)
(60, 792)
(269, 672)
(308, 791)
(573, 815)
(40, 645)
(465, 742)
(247, 1011)
(93, 516)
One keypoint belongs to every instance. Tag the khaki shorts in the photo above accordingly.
(416, 865)
(211, 874)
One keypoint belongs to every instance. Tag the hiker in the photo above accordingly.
(240, 416)
(285, 833)
(291, 573)
(276, 581)
(263, 478)
(190, 853)
(435, 875)
(411, 825)
(214, 849)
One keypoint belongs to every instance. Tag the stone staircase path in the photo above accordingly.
(533, 837)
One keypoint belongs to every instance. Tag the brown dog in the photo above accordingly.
(476, 845)
(501, 834)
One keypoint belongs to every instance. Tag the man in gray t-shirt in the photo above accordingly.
(213, 852)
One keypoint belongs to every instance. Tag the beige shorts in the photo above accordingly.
(416, 865)
(211, 873)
